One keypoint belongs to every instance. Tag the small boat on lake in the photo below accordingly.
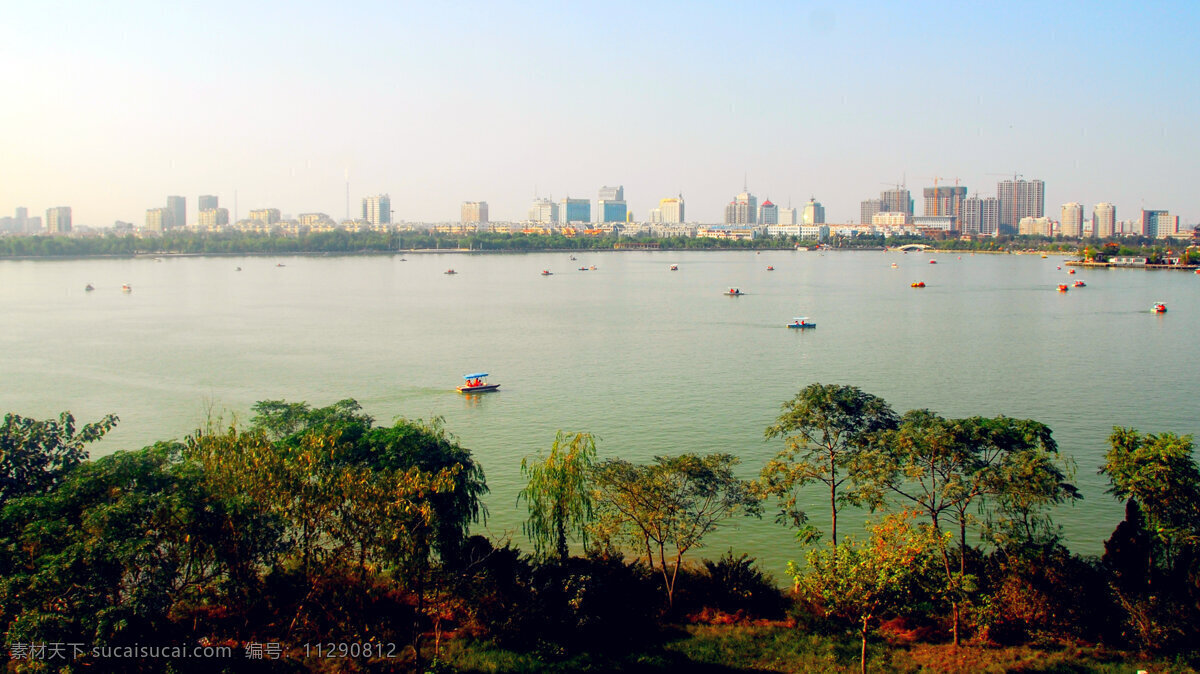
(801, 323)
(1062, 288)
(126, 288)
(280, 264)
(88, 288)
(583, 269)
(734, 292)
(674, 267)
(547, 272)
(476, 382)
(933, 262)
(238, 269)
(917, 284)
(895, 266)
(770, 268)
(1070, 271)
(572, 258)
(592, 268)
(1079, 284)
(1159, 308)
(449, 272)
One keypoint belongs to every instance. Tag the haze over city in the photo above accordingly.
(110, 107)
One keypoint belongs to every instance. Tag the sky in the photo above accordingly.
(108, 107)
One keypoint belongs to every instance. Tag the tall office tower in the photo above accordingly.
(159, 219)
(814, 213)
(898, 200)
(214, 217)
(768, 213)
(474, 212)
(21, 221)
(1159, 224)
(867, 210)
(612, 193)
(611, 206)
(1104, 220)
(671, 210)
(743, 210)
(1071, 222)
(58, 220)
(266, 216)
(178, 208)
(574, 210)
(377, 210)
(543, 212)
(206, 201)
(789, 216)
(1020, 199)
(945, 200)
(980, 216)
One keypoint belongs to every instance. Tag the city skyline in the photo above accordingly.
(264, 127)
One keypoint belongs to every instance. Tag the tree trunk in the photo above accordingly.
(862, 656)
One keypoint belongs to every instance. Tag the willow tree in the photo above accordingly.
(824, 428)
(559, 493)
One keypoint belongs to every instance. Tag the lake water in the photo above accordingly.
(654, 362)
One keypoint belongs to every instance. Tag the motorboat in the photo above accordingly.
(476, 382)
(674, 267)
(547, 272)
(801, 323)
(1079, 284)
(734, 292)
(917, 284)
(89, 288)
(1159, 308)
(449, 271)
(1062, 287)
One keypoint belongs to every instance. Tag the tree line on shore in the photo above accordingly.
(317, 524)
(341, 241)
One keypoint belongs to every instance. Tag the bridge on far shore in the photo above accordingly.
(912, 246)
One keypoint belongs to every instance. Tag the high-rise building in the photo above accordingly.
(178, 208)
(768, 213)
(266, 216)
(743, 210)
(945, 200)
(574, 210)
(671, 210)
(1104, 220)
(211, 218)
(58, 220)
(611, 206)
(474, 213)
(789, 216)
(1159, 224)
(867, 210)
(159, 219)
(1071, 222)
(980, 216)
(814, 213)
(543, 212)
(898, 200)
(377, 210)
(1020, 199)
(206, 201)
(1031, 226)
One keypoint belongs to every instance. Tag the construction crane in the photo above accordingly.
(1015, 175)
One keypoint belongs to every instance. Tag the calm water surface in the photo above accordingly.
(653, 362)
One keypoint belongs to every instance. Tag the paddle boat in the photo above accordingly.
(126, 288)
(449, 271)
(933, 262)
(1079, 284)
(674, 267)
(917, 284)
(547, 272)
(88, 288)
(1159, 308)
(770, 268)
(734, 292)
(801, 323)
(895, 266)
(476, 382)
(1070, 271)
(1062, 288)
(583, 269)
(592, 268)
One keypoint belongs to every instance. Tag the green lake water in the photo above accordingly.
(650, 360)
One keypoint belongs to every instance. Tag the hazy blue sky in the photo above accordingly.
(110, 106)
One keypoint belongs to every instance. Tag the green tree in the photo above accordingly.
(36, 455)
(559, 492)
(824, 427)
(861, 582)
(666, 508)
